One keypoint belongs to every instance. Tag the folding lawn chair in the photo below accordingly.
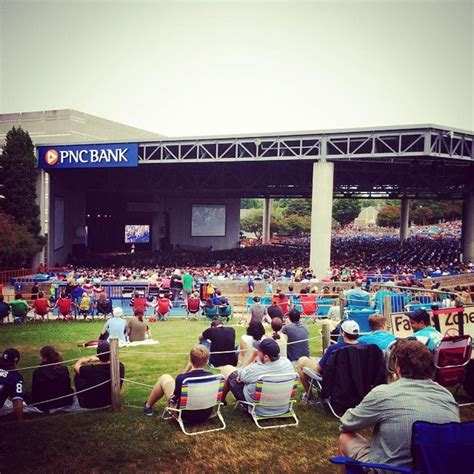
(349, 375)
(273, 390)
(436, 449)
(198, 393)
(451, 356)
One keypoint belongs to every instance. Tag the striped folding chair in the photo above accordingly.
(277, 391)
(198, 393)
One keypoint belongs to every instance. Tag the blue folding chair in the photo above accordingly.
(436, 449)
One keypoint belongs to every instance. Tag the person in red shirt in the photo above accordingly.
(163, 307)
(193, 305)
(41, 306)
(64, 305)
(139, 303)
(308, 304)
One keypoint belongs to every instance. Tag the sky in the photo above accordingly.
(211, 68)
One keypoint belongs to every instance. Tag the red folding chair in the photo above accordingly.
(451, 356)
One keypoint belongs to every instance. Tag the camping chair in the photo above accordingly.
(225, 311)
(276, 391)
(451, 357)
(349, 375)
(198, 393)
(436, 449)
(309, 308)
(210, 312)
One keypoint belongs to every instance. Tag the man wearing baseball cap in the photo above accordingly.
(242, 382)
(350, 332)
(11, 382)
(423, 331)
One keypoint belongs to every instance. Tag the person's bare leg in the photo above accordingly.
(302, 362)
(226, 371)
(344, 440)
(164, 386)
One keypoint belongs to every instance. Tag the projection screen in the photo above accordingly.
(208, 220)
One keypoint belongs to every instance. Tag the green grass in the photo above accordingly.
(105, 441)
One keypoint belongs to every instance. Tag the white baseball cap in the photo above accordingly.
(118, 312)
(350, 327)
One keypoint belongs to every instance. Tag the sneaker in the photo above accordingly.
(147, 411)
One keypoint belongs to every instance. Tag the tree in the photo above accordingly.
(421, 215)
(297, 225)
(296, 206)
(17, 245)
(251, 203)
(389, 216)
(345, 210)
(19, 175)
(252, 223)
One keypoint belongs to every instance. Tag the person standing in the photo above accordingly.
(188, 284)
(176, 284)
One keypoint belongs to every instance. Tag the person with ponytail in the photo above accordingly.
(50, 380)
(276, 334)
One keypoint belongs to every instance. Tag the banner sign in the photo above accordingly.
(446, 320)
(88, 156)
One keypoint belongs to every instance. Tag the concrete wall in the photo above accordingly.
(180, 211)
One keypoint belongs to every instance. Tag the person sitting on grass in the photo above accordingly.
(137, 328)
(242, 382)
(11, 382)
(247, 352)
(4, 309)
(276, 334)
(50, 382)
(41, 306)
(168, 387)
(219, 338)
(116, 326)
(92, 371)
(19, 308)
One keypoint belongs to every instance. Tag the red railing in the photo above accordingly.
(7, 275)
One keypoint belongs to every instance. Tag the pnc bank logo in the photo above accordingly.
(51, 157)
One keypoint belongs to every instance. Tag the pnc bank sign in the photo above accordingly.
(88, 156)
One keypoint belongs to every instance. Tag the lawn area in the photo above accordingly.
(129, 441)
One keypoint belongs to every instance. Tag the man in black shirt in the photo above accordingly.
(221, 339)
(275, 311)
(88, 375)
(171, 389)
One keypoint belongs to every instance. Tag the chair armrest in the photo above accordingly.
(349, 462)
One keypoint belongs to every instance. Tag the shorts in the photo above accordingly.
(236, 387)
(359, 449)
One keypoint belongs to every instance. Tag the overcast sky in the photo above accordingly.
(205, 68)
